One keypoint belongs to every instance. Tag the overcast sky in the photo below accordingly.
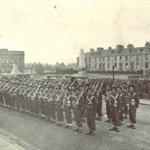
(56, 30)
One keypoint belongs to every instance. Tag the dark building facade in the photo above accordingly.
(9, 58)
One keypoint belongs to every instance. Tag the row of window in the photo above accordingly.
(11, 60)
(120, 65)
(120, 58)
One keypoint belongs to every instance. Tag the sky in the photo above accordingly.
(51, 31)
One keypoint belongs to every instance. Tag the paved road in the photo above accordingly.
(7, 144)
(36, 134)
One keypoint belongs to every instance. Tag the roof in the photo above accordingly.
(119, 52)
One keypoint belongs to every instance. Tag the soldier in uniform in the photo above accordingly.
(68, 105)
(53, 108)
(59, 110)
(22, 102)
(99, 106)
(108, 106)
(27, 101)
(17, 101)
(78, 109)
(91, 105)
(114, 109)
(125, 100)
(120, 100)
(1, 94)
(133, 105)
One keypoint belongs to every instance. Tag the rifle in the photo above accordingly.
(114, 83)
(101, 86)
(95, 88)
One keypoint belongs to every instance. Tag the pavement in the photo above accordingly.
(9, 141)
(19, 131)
(7, 144)
(145, 101)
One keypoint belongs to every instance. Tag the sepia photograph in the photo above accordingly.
(74, 75)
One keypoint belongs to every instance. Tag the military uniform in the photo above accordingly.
(17, 101)
(1, 98)
(108, 105)
(52, 108)
(114, 110)
(68, 111)
(121, 104)
(27, 103)
(133, 104)
(124, 102)
(99, 106)
(91, 114)
(59, 110)
(78, 112)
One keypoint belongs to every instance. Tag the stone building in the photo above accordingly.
(122, 59)
(10, 58)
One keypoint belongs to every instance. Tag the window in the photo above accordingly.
(120, 57)
(115, 59)
(137, 58)
(95, 65)
(115, 65)
(146, 57)
(103, 66)
(108, 59)
(132, 59)
(126, 65)
(107, 66)
(89, 66)
(146, 65)
(99, 66)
(120, 66)
(137, 65)
(132, 66)
(89, 59)
(141, 50)
(126, 58)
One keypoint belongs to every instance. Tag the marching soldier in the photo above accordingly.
(1, 98)
(68, 109)
(120, 99)
(108, 105)
(78, 110)
(125, 100)
(91, 113)
(114, 109)
(133, 105)
(53, 108)
(59, 110)
(99, 106)
(17, 101)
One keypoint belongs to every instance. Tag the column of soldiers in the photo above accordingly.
(62, 101)
(121, 101)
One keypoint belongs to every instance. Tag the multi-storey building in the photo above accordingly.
(129, 59)
(9, 58)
